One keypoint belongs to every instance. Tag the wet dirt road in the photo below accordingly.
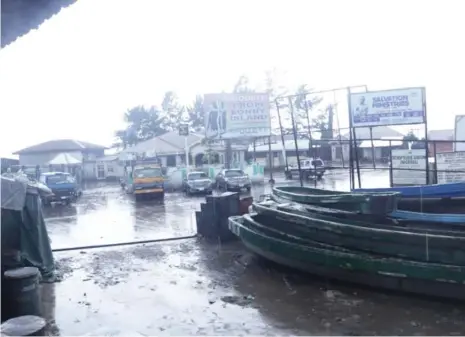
(190, 287)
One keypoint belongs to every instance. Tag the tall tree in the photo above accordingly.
(142, 124)
(242, 85)
(173, 111)
(196, 114)
(276, 90)
(305, 105)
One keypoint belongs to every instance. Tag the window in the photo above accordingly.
(148, 172)
(317, 162)
(234, 173)
(60, 179)
(196, 175)
(110, 169)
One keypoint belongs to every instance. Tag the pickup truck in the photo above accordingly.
(310, 168)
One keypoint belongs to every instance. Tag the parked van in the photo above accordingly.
(63, 185)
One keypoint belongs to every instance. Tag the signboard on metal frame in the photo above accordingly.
(408, 167)
(459, 133)
(454, 163)
(232, 116)
(387, 107)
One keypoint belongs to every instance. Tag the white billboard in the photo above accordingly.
(387, 107)
(230, 116)
(408, 167)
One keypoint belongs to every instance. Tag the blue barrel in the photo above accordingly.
(21, 293)
(24, 326)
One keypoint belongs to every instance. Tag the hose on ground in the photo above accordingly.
(124, 243)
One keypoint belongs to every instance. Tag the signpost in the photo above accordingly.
(454, 162)
(408, 167)
(184, 131)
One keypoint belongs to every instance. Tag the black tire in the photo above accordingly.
(248, 188)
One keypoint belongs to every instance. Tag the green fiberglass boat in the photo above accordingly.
(427, 278)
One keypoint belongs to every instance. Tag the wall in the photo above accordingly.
(44, 157)
(441, 147)
(90, 170)
(368, 153)
(93, 154)
(175, 175)
(340, 152)
(197, 148)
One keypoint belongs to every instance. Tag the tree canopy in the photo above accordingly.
(144, 122)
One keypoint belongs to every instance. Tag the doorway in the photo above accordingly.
(100, 171)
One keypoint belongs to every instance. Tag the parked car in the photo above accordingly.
(310, 167)
(63, 185)
(197, 182)
(233, 179)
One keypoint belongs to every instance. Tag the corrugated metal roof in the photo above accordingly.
(64, 158)
(278, 146)
(441, 134)
(168, 144)
(60, 145)
(108, 158)
(379, 143)
(378, 133)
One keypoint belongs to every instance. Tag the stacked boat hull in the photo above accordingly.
(345, 265)
(369, 249)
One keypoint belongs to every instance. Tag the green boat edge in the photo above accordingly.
(367, 203)
(438, 248)
(432, 279)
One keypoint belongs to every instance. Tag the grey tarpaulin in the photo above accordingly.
(13, 194)
(23, 228)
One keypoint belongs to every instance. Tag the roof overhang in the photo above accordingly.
(19, 17)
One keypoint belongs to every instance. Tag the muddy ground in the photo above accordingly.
(191, 287)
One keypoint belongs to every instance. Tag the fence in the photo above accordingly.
(409, 162)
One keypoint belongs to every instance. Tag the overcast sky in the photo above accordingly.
(76, 75)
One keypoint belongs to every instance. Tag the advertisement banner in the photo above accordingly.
(229, 116)
(454, 164)
(408, 167)
(388, 107)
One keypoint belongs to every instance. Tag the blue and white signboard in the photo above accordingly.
(388, 107)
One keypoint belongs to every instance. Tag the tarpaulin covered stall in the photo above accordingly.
(24, 234)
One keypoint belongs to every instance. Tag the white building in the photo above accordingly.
(170, 148)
